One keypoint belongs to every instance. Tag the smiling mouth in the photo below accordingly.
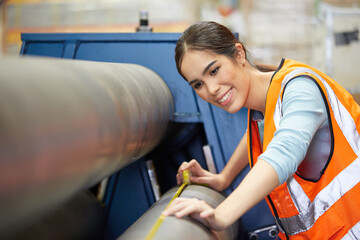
(225, 97)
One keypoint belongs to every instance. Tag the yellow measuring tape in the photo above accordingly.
(154, 229)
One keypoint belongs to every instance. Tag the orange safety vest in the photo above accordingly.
(322, 199)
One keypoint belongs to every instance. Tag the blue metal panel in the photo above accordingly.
(157, 57)
(53, 49)
(130, 198)
(152, 50)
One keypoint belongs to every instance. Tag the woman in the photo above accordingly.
(302, 141)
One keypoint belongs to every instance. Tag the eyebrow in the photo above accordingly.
(205, 70)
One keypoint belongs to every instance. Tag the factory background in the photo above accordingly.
(321, 33)
(298, 29)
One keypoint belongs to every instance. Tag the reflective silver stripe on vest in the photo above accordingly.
(309, 211)
(354, 233)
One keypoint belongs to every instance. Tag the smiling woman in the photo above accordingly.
(296, 115)
(217, 58)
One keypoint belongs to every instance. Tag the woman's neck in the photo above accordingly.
(259, 85)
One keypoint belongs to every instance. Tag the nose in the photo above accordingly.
(213, 88)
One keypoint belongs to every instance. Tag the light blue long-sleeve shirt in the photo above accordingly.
(304, 113)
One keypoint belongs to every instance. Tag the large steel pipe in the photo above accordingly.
(67, 124)
(184, 228)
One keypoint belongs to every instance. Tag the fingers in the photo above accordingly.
(207, 213)
(174, 207)
(179, 178)
(179, 175)
(197, 174)
(197, 209)
(193, 166)
(181, 207)
(188, 165)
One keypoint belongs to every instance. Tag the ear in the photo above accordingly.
(241, 55)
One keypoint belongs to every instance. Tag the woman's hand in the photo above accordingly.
(201, 176)
(197, 209)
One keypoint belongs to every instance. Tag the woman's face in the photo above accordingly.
(217, 79)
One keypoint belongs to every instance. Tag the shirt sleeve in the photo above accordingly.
(304, 113)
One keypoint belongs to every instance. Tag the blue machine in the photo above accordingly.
(195, 124)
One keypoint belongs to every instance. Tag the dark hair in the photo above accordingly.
(207, 36)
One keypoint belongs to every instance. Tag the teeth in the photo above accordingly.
(224, 98)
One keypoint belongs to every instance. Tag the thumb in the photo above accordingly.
(207, 213)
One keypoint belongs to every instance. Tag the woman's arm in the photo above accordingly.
(237, 162)
(258, 183)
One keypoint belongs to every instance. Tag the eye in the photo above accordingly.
(197, 85)
(214, 71)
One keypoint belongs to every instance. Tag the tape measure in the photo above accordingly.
(157, 224)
